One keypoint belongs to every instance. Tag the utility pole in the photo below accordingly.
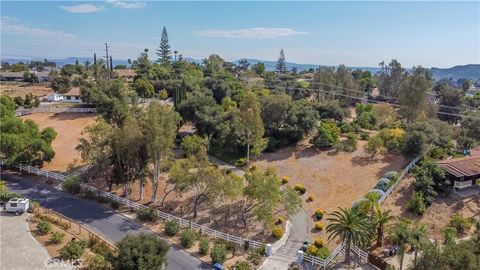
(107, 59)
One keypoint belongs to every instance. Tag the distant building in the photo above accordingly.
(73, 95)
(126, 74)
(55, 97)
(308, 77)
(472, 91)
(11, 76)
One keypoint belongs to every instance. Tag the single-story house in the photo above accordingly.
(43, 76)
(462, 172)
(308, 77)
(11, 76)
(73, 95)
(55, 97)
(126, 74)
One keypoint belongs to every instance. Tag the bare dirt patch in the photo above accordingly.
(438, 214)
(69, 127)
(21, 89)
(333, 179)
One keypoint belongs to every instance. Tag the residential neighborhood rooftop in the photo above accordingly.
(458, 167)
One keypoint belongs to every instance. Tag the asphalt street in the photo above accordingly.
(110, 225)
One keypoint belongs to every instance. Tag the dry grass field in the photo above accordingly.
(21, 89)
(69, 129)
(333, 179)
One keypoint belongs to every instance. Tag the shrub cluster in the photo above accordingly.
(56, 237)
(300, 188)
(319, 226)
(460, 223)
(319, 242)
(72, 185)
(172, 227)
(188, 237)
(277, 232)
(319, 214)
(204, 245)
(148, 214)
(73, 250)
(284, 180)
(44, 227)
(322, 252)
(218, 253)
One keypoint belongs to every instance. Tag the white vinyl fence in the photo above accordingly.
(400, 177)
(50, 109)
(136, 206)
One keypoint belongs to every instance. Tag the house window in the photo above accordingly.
(69, 97)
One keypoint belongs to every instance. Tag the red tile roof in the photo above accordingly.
(467, 166)
(74, 91)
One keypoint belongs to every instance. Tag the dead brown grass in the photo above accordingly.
(69, 127)
(21, 89)
(438, 214)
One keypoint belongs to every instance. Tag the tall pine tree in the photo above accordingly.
(111, 64)
(281, 64)
(164, 53)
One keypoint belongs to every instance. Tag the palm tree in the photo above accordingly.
(351, 226)
(370, 203)
(380, 221)
(417, 233)
(400, 235)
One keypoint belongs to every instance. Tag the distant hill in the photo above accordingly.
(470, 72)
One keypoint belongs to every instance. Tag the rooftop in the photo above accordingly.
(74, 91)
(459, 167)
(125, 72)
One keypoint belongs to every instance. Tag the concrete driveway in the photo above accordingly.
(18, 249)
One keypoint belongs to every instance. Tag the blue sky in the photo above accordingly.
(437, 34)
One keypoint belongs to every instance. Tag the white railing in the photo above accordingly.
(400, 177)
(462, 184)
(136, 206)
(50, 109)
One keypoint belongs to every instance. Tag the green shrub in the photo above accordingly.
(148, 214)
(319, 226)
(241, 265)
(102, 249)
(73, 250)
(188, 237)
(114, 204)
(277, 232)
(312, 250)
(163, 95)
(172, 227)
(319, 242)
(310, 198)
(5, 196)
(327, 135)
(319, 214)
(44, 227)
(416, 204)
(364, 136)
(460, 223)
(56, 237)
(204, 246)
(297, 187)
(323, 252)
(72, 185)
(262, 249)
(346, 128)
(241, 162)
(255, 258)
(98, 262)
(449, 235)
(218, 253)
(284, 180)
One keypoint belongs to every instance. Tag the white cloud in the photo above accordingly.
(11, 25)
(84, 8)
(257, 32)
(126, 4)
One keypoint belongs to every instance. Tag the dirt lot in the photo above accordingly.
(21, 89)
(333, 179)
(69, 128)
(438, 214)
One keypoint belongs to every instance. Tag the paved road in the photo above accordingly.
(100, 219)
